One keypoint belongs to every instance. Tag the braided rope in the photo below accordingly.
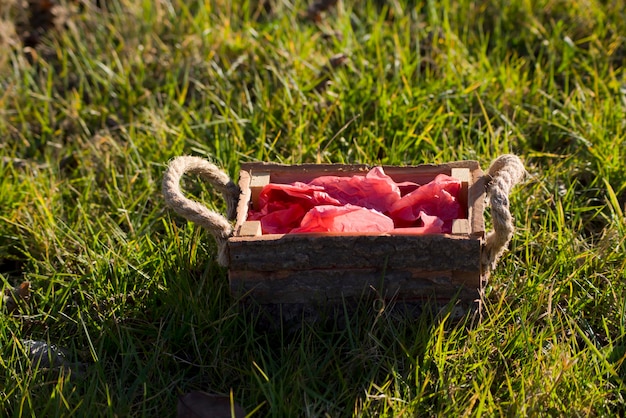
(195, 212)
(506, 171)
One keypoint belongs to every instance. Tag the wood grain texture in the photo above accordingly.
(309, 251)
(250, 229)
(336, 285)
(420, 174)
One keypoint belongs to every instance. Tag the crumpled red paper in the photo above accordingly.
(282, 206)
(347, 218)
(375, 190)
(430, 225)
(438, 198)
(372, 203)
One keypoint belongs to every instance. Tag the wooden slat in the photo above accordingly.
(420, 174)
(460, 227)
(322, 286)
(463, 174)
(476, 204)
(460, 173)
(250, 229)
(304, 252)
(258, 180)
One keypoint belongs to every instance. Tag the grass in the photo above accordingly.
(90, 116)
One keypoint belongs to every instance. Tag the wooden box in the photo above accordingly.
(331, 268)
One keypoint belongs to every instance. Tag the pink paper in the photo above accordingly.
(347, 218)
(375, 190)
(305, 194)
(370, 203)
(431, 225)
(437, 198)
(282, 221)
(282, 206)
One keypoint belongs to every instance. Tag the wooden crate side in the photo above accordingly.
(250, 229)
(421, 174)
(476, 203)
(335, 285)
(312, 251)
(284, 174)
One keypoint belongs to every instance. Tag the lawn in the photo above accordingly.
(97, 96)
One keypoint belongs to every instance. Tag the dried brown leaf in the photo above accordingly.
(314, 12)
(43, 15)
(16, 297)
(200, 404)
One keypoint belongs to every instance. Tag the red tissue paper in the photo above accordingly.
(373, 203)
(347, 218)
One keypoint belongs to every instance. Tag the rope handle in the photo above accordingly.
(505, 171)
(194, 211)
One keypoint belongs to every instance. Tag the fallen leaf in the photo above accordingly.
(314, 12)
(40, 20)
(200, 404)
(16, 297)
